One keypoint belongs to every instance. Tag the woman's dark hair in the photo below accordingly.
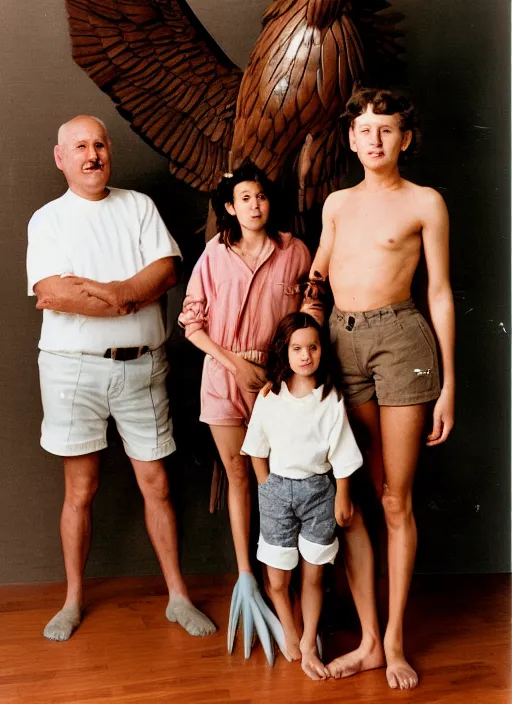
(385, 102)
(278, 366)
(227, 225)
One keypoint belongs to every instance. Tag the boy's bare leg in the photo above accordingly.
(358, 557)
(279, 592)
(161, 525)
(311, 601)
(400, 460)
(81, 482)
(229, 441)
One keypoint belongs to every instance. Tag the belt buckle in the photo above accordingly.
(113, 353)
(350, 323)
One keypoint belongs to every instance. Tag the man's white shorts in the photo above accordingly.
(80, 391)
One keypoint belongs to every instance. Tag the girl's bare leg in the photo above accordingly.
(229, 441)
(311, 601)
(279, 592)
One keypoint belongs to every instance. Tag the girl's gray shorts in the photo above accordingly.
(297, 516)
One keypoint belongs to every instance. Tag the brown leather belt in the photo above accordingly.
(125, 354)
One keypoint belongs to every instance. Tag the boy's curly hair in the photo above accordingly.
(385, 102)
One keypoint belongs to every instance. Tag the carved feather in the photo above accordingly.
(183, 95)
(167, 75)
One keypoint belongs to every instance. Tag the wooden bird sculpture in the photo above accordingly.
(183, 95)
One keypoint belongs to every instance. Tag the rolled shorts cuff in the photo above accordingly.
(144, 454)
(277, 556)
(317, 554)
(70, 449)
(355, 400)
(411, 400)
(228, 422)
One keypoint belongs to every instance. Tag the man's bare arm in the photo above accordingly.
(315, 292)
(68, 295)
(435, 233)
(140, 290)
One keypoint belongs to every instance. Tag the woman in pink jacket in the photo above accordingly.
(245, 281)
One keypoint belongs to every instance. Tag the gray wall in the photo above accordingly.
(457, 66)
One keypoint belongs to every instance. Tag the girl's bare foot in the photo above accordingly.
(292, 645)
(311, 663)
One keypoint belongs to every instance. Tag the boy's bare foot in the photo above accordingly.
(366, 657)
(311, 663)
(400, 674)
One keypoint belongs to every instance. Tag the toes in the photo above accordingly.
(323, 672)
(392, 680)
(334, 670)
(310, 672)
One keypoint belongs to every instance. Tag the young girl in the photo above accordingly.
(296, 435)
(242, 285)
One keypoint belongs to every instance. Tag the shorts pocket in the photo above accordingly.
(266, 482)
(426, 332)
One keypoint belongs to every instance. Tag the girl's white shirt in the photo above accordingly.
(302, 436)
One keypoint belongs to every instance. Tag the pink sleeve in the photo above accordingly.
(194, 313)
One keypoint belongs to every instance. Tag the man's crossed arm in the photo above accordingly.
(73, 294)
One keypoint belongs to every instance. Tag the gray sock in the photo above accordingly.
(63, 623)
(191, 619)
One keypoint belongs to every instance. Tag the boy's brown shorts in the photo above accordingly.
(390, 352)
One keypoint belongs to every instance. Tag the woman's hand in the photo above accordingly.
(444, 412)
(249, 377)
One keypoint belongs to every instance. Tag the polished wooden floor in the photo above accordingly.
(458, 636)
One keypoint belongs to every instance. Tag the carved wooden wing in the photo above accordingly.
(300, 75)
(167, 75)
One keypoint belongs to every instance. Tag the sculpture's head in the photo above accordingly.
(383, 125)
(245, 198)
(83, 155)
(321, 13)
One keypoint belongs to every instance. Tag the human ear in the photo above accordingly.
(57, 157)
(352, 139)
(229, 207)
(406, 140)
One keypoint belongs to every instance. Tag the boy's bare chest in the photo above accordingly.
(366, 224)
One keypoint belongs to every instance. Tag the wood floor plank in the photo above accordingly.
(125, 652)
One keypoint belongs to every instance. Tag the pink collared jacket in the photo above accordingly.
(239, 308)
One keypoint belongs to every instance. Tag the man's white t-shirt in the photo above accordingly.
(106, 240)
(302, 436)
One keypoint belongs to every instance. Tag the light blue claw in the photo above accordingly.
(248, 602)
(273, 623)
(248, 622)
(234, 615)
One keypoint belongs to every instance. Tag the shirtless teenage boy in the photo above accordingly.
(371, 242)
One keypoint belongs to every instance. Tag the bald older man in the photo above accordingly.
(98, 260)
